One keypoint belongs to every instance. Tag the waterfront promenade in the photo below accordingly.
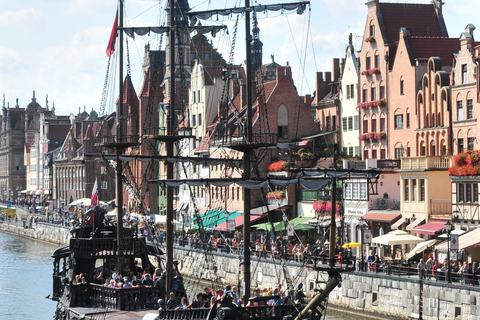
(386, 292)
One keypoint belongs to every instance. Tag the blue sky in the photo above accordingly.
(57, 47)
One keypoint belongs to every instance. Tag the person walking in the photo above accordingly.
(421, 269)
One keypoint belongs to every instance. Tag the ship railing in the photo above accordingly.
(184, 314)
(99, 247)
(98, 296)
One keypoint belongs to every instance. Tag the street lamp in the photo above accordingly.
(448, 228)
(362, 225)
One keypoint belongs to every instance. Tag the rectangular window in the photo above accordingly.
(365, 154)
(373, 94)
(282, 132)
(372, 30)
(464, 74)
(468, 192)
(459, 110)
(345, 150)
(475, 192)
(377, 61)
(374, 154)
(398, 153)
(344, 124)
(356, 123)
(194, 120)
(363, 191)
(355, 194)
(374, 125)
(364, 95)
(399, 121)
(460, 145)
(357, 151)
(469, 109)
(408, 151)
(402, 87)
(408, 120)
(382, 125)
(348, 191)
(461, 192)
(368, 63)
(406, 190)
(350, 152)
(365, 126)
(334, 123)
(422, 189)
(382, 92)
(350, 123)
(350, 91)
(471, 143)
(104, 185)
(327, 123)
(199, 119)
(382, 154)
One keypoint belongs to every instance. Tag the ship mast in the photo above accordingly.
(169, 149)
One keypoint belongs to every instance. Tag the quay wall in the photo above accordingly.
(397, 296)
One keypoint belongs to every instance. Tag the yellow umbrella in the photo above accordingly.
(351, 245)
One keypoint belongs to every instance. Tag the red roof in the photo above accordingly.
(430, 229)
(381, 217)
(419, 19)
(426, 47)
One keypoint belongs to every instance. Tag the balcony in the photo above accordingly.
(440, 206)
(427, 163)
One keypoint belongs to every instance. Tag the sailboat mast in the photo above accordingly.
(120, 124)
(246, 158)
(169, 149)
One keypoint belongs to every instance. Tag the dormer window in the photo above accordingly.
(464, 74)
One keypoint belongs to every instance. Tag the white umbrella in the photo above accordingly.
(420, 248)
(85, 202)
(397, 237)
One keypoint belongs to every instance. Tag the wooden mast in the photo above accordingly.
(169, 149)
(120, 127)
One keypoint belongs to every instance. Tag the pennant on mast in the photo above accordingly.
(94, 197)
(113, 37)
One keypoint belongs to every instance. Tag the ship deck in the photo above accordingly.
(93, 313)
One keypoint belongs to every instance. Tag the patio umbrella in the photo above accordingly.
(85, 202)
(351, 245)
(397, 237)
(420, 248)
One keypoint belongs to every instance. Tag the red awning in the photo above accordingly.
(381, 217)
(238, 222)
(430, 229)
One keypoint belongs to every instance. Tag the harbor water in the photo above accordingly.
(26, 280)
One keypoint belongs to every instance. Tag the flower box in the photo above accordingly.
(370, 39)
(277, 166)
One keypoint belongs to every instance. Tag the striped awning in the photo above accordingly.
(381, 217)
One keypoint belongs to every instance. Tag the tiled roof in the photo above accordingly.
(203, 146)
(151, 84)
(419, 19)
(426, 47)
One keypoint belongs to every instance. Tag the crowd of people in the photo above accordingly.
(464, 272)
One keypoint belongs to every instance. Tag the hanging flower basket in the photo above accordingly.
(278, 194)
(370, 39)
(466, 164)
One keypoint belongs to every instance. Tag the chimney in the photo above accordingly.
(319, 89)
(336, 69)
(437, 4)
(342, 65)
(373, 7)
(470, 28)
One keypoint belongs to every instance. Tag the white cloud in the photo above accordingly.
(20, 18)
(342, 8)
(10, 60)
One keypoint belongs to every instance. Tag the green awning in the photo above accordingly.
(214, 217)
(299, 220)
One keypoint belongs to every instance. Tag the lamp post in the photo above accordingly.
(448, 228)
(362, 226)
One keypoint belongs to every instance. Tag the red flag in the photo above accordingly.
(94, 197)
(113, 37)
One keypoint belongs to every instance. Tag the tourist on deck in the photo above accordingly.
(126, 283)
(421, 267)
(147, 281)
(197, 303)
(428, 268)
(172, 302)
(371, 261)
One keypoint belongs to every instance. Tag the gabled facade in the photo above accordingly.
(350, 123)
(376, 58)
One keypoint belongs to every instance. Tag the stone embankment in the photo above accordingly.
(404, 297)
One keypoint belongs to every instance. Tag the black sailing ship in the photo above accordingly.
(101, 246)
